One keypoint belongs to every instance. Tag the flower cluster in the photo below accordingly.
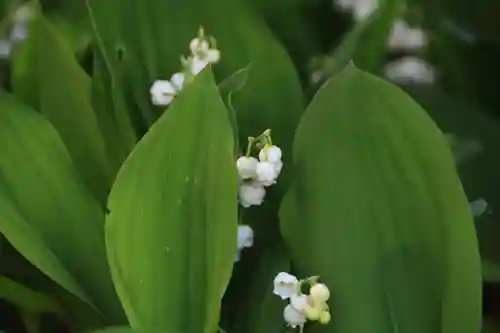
(256, 174)
(203, 52)
(303, 307)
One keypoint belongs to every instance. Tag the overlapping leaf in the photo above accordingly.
(171, 232)
(378, 211)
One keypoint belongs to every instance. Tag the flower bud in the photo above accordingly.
(319, 293)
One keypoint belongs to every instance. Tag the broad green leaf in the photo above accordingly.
(111, 111)
(38, 176)
(250, 303)
(48, 78)
(26, 299)
(22, 236)
(378, 211)
(171, 230)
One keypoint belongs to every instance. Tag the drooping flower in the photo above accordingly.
(292, 317)
(404, 37)
(410, 69)
(285, 285)
(251, 194)
(266, 173)
(247, 167)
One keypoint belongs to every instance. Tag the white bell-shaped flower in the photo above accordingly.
(212, 56)
(404, 37)
(199, 46)
(245, 236)
(292, 317)
(162, 92)
(410, 70)
(271, 154)
(247, 167)
(266, 173)
(285, 285)
(251, 194)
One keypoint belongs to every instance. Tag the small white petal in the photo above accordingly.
(212, 56)
(178, 81)
(285, 285)
(196, 65)
(410, 70)
(5, 49)
(245, 236)
(270, 154)
(266, 173)
(162, 92)
(247, 166)
(251, 194)
(292, 317)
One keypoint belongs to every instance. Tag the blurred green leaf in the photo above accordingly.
(48, 78)
(26, 240)
(366, 43)
(176, 197)
(38, 176)
(468, 123)
(25, 298)
(111, 110)
(491, 271)
(253, 306)
(378, 211)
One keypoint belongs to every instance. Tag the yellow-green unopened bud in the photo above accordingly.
(312, 313)
(324, 317)
(320, 293)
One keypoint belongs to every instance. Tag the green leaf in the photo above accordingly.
(38, 176)
(272, 97)
(378, 211)
(111, 111)
(26, 240)
(171, 232)
(48, 78)
(252, 306)
(26, 299)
